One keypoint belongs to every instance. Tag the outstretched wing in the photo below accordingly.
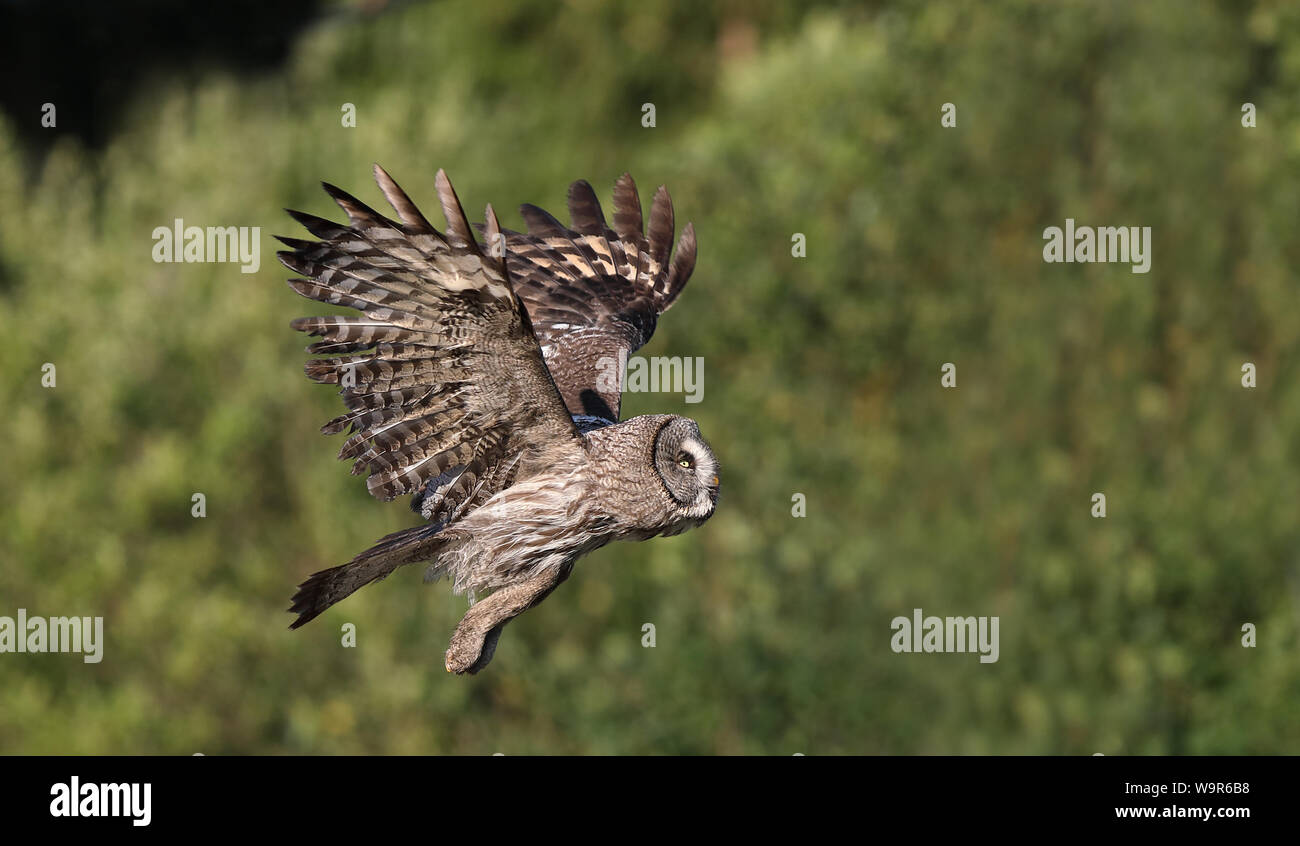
(442, 376)
(594, 294)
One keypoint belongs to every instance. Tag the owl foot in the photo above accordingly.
(471, 651)
(475, 640)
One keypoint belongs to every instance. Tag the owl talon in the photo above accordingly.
(464, 651)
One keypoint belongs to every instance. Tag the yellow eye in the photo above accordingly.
(685, 462)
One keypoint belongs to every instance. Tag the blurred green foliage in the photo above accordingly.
(1119, 635)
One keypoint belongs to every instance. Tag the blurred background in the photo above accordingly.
(1119, 635)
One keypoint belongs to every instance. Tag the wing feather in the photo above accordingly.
(442, 376)
(594, 293)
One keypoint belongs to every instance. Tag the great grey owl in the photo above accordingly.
(485, 379)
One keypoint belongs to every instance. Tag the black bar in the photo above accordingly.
(328, 796)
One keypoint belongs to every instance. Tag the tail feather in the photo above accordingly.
(327, 587)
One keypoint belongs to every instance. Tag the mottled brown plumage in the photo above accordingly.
(595, 293)
(478, 382)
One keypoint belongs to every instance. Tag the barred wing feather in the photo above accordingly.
(441, 373)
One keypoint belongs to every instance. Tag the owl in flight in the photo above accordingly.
(485, 380)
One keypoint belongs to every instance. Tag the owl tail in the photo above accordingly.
(327, 587)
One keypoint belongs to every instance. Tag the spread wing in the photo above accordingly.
(594, 294)
(442, 376)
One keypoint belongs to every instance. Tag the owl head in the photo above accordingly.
(688, 470)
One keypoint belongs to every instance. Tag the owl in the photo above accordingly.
(484, 380)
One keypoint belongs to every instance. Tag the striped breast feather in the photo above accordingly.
(440, 373)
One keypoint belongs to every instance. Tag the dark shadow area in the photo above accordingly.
(89, 58)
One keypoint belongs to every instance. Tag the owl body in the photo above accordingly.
(623, 481)
(479, 381)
